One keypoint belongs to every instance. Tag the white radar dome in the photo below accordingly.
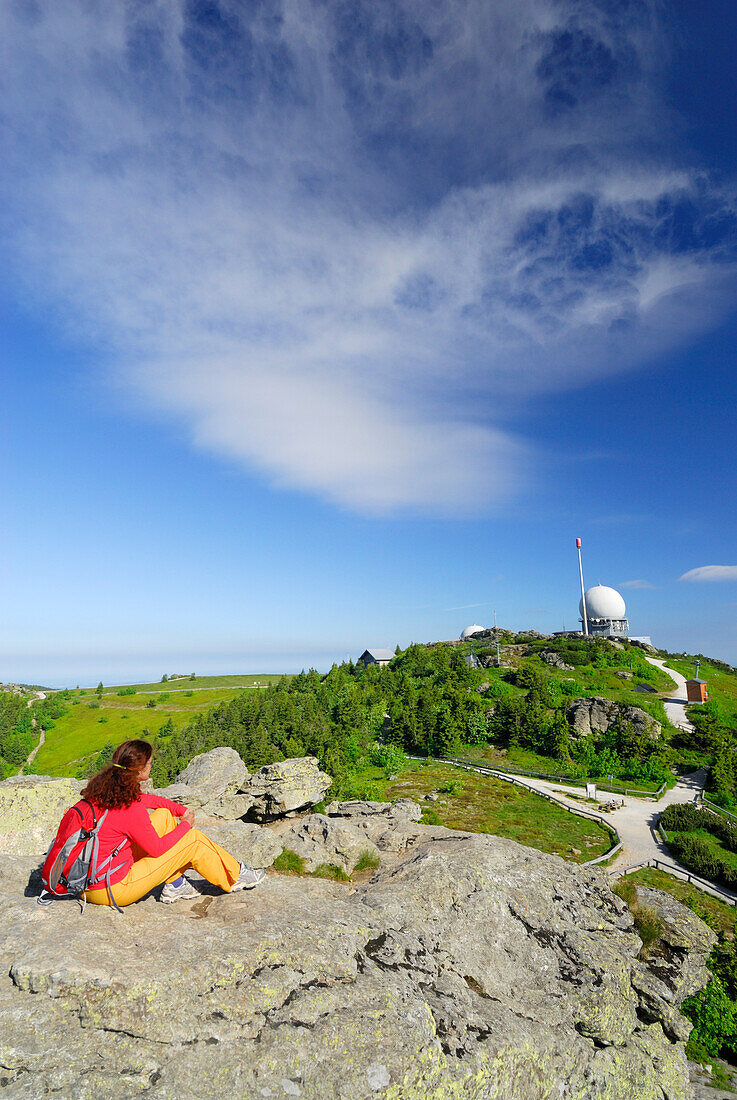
(603, 603)
(473, 629)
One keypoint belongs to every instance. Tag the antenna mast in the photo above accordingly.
(583, 591)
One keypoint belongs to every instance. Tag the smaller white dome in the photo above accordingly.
(473, 629)
(603, 603)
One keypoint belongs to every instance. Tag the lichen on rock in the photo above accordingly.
(467, 967)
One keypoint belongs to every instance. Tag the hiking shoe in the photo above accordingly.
(247, 879)
(184, 892)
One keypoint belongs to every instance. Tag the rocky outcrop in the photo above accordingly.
(391, 826)
(286, 786)
(594, 715)
(218, 784)
(215, 773)
(215, 782)
(318, 839)
(676, 966)
(469, 967)
(550, 657)
(31, 807)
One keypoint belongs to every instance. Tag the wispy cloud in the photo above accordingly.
(711, 573)
(636, 584)
(343, 243)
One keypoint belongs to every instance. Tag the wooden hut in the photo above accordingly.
(696, 690)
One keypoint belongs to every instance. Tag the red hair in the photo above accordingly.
(117, 784)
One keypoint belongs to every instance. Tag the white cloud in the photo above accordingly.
(711, 573)
(636, 584)
(345, 251)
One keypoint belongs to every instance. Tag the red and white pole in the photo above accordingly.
(583, 591)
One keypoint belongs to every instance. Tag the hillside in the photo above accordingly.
(431, 700)
(78, 723)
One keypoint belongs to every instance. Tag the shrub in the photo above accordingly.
(429, 817)
(714, 1017)
(685, 817)
(694, 852)
(289, 863)
(367, 861)
(151, 703)
(126, 691)
(389, 757)
(626, 890)
(649, 926)
(331, 870)
(682, 816)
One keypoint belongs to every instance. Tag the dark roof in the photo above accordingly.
(695, 680)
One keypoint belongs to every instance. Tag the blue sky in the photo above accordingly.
(325, 325)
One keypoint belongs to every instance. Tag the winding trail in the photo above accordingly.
(636, 821)
(675, 705)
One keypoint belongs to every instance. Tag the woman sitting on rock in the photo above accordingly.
(156, 847)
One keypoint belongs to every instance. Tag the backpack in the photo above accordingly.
(71, 864)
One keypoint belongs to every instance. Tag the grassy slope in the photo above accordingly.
(722, 686)
(81, 733)
(185, 683)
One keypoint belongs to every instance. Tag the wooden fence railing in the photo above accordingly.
(615, 788)
(509, 778)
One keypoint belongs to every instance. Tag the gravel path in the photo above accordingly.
(675, 707)
(636, 821)
(32, 754)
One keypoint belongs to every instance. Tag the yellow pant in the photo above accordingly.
(194, 850)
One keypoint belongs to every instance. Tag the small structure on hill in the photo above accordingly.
(696, 690)
(469, 632)
(375, 656)
(604, 610)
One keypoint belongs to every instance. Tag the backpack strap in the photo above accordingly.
(96, 871)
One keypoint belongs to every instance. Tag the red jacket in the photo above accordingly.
(132, 825)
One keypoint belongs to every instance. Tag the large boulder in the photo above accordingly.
(215, 773)
(289, 785)
(214, 782)
(591, 715)
(675, 967)
(31, 807)
(318, 839)
(391, 826)
(252, 844)
(469, 968)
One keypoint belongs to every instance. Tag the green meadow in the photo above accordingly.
(479, 804)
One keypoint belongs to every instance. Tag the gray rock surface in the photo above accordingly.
(215, 782)
(469, 967)
(592, 715)
(215, 773)
(675, 967)
(252, 844)
(319, 839)
(31, 807)
(286, 786)
(391, 826)
(550, 657)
